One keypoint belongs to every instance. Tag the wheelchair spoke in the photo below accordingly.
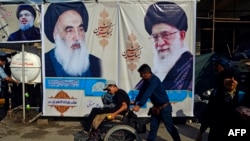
(122, 135)
(117, 135)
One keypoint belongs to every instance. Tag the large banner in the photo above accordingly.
(84, 44)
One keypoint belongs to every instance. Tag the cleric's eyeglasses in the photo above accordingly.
(164, 35)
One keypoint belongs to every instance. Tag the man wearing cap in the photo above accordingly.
(65, 25)
(120, 100)
(26, 15)
(166, 23)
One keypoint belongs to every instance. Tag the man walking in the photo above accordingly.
(153, 89)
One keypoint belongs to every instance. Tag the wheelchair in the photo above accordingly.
(126, 128)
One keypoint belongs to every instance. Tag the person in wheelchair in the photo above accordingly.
(120, 100)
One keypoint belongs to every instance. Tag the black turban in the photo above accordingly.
(25, 7)
(165, 12)
(56, 9)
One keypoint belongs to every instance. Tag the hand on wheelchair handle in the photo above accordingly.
(136, 108)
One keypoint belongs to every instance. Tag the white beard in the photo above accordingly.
(24, 27)
(164, 62)
(74, 62)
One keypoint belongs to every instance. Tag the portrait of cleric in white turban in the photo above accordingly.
(65, 25)
(166, 23)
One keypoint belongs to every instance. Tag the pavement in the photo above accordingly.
(62, 128)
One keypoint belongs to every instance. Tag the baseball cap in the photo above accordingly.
(108, 83)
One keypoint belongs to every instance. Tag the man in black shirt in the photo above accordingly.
(120, 100)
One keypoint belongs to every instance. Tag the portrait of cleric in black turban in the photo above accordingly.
(166, 23)
(26, 15)
(65, 25)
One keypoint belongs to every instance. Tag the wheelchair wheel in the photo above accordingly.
(122, 133)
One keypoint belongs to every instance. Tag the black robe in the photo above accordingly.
(54, 69)
(181, 75)
(32, 33)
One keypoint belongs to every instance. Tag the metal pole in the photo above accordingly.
(213, 20)
(23, 84)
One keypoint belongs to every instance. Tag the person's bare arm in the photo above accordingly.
(9, 79)
(121, 109)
